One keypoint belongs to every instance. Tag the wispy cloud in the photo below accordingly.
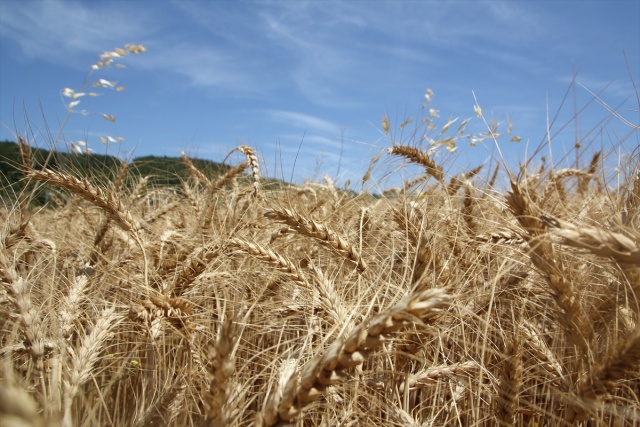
(57, 31)
(203, 66)
(304, 121)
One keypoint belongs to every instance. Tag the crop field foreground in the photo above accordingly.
(224, 302)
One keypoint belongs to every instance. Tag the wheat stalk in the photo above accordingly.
(319, 232)
(253, 163)
(271, 257)
(310, 382)
(109, 203)
(543, 256)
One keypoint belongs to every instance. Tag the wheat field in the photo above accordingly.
(450, 301)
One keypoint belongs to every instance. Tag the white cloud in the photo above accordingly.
(56, 31)
(306, 121)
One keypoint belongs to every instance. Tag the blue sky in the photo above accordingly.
(312, 80)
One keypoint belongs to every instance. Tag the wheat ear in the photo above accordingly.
(320, 232)
(632, 202)
(17, 408)
(195, 265)
(420, 158)
(273, 258)
(229, 175)
(219, 404)
(108, 203)
(84, 358)
(595, 239)
(510, 383)
(623, 360)
(310, 382)
(83, 188)
(195, 172)
(253, 163)
(542, 254)
(20, 293)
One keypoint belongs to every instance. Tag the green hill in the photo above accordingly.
(162, 171)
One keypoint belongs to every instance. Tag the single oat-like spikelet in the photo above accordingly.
(420, 158)
(309, 383)
(320, 232)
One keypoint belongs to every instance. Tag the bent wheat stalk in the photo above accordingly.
(320, 232)
(309, 383)
(267, 255)
(107, 202)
